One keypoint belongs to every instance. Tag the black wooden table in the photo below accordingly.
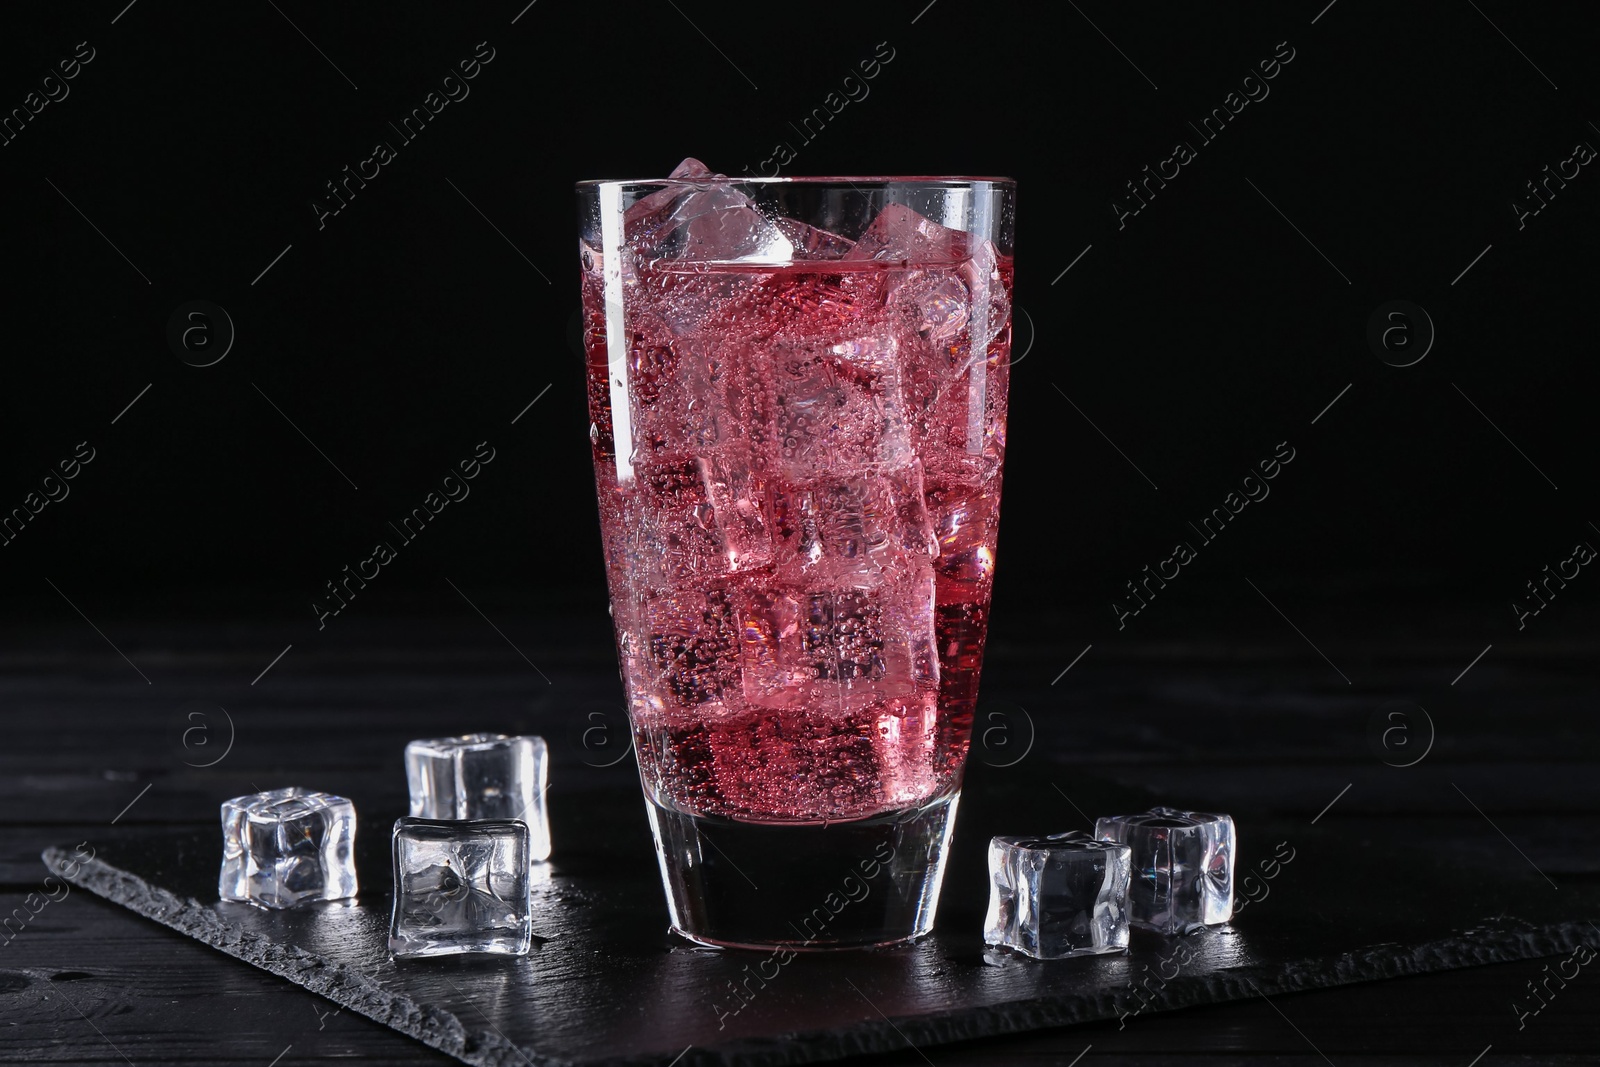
(107, 743)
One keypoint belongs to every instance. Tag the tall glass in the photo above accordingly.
(797, 389)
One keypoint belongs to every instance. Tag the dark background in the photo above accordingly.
(429, 313)
(407, 330)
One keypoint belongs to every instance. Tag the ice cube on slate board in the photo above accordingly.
(1057, 896)
(482, 776)
(287, 847)
(460, 886)
(1182, 867)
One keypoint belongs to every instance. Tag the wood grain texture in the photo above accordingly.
(603, 954)
(1279, 743)
(160, 997)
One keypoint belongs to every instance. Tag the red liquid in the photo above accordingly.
(801, 548)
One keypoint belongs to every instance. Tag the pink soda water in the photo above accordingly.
(798, 441)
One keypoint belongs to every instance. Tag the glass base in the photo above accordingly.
(856, 884)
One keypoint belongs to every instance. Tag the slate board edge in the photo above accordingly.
(443, 1030)
(350, 989)
(1374, 963)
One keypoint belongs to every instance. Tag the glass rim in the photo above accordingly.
(950, 181)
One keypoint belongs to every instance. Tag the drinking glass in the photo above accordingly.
(797, 393)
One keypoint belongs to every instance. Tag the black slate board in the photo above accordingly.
(607, 985)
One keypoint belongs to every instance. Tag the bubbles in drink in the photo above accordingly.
(800, 534)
